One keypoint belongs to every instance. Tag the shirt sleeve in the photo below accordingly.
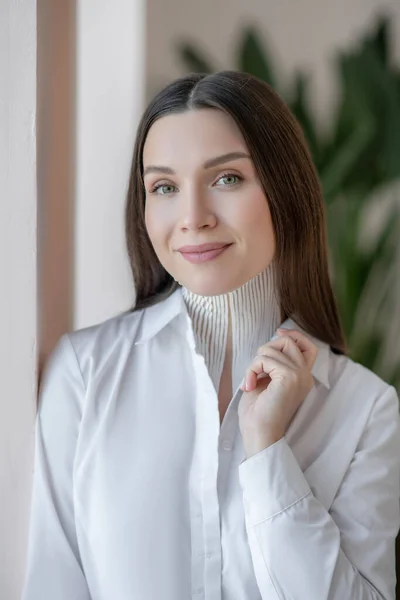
(54, 570)
(302, 551)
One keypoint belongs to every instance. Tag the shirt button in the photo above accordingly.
(226, 445)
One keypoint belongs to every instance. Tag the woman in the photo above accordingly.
(215, 441)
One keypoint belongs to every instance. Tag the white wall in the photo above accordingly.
(110, 95)
(299, 33)
(18, 330)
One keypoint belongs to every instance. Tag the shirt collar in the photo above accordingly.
(158, 316)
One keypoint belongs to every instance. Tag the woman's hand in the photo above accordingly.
(275, 385)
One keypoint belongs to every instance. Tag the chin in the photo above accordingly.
(212, 286)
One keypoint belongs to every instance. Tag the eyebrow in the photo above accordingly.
(212, 162)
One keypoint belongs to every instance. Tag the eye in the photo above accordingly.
(230, 179)
(163, 189)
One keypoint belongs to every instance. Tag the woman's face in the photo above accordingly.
(202, 188)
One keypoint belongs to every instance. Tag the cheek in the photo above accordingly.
(255, 217)
(156, 225)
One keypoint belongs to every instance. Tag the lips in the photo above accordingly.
(202, 247)
(204, 252)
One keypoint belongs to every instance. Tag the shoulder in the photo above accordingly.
(109, 340)
(364, 385)
(115, 330)
(359, 400)
(128, 328)
(108, 345)
(77, 354)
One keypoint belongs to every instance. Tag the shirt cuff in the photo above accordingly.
(271, 480)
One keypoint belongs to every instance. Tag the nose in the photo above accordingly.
(196, 211)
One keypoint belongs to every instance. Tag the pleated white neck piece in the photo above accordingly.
(255, 314)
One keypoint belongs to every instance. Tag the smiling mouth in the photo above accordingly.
(205, 255)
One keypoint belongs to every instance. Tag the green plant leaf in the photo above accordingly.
(253, 59)
(193, 59)
(379, 40)
(370, 92)
(333, 175)
(299, 107)
(385, 99)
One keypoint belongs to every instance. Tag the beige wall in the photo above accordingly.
(300, 34)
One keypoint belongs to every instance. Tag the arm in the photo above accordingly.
(54, 570)
(300, 550)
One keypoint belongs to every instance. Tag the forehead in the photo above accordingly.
(190, 137)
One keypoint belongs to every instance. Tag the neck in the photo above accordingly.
(229, 328)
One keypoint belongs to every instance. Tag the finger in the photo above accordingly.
(274, 351)
(264, 365)
(287, 346)
(308, 349)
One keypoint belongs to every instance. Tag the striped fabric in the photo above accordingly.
(255, 315)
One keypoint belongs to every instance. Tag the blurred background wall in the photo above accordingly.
(300, 34)
(110, 95)
(61, 227)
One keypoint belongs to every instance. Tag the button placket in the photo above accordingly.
(206, 563)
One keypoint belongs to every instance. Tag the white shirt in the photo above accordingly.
(139, 494)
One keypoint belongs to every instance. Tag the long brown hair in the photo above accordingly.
(290, 182)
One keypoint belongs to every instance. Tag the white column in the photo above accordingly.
(110, 95)
(18, 254)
